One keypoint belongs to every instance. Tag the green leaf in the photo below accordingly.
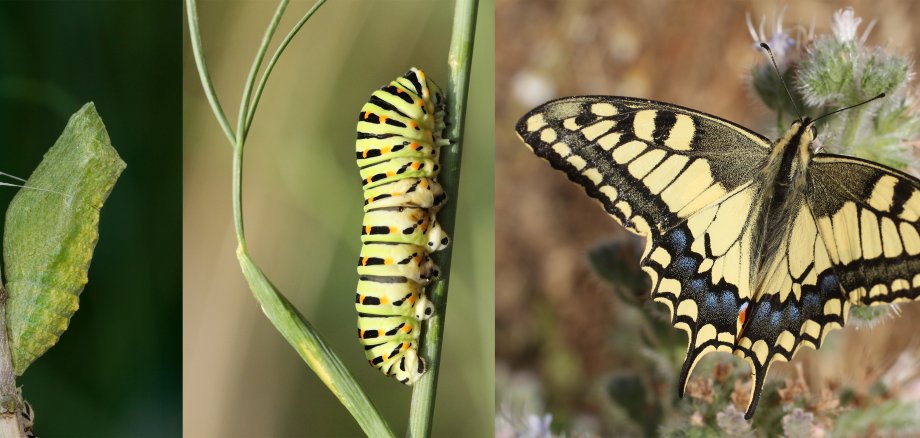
(51, 233)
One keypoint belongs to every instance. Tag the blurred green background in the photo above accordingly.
(303, 210)
(116, 371)
(560, 352)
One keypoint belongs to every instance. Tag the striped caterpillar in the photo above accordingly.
(400, 131)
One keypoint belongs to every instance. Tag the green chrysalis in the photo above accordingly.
(49, 237)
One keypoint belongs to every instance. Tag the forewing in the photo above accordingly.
(650, 164)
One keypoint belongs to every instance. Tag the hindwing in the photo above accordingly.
(796, 301)
(701, 269)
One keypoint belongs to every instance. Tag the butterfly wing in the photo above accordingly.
(868, 216)
(701, 269)
(679, 177)
(854, 241)
(797, 302)
(650, 164)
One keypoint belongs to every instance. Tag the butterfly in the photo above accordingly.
(757, 248)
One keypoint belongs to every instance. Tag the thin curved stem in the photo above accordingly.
(271, 65)
(195, 35)
(254, 70)
(421, 410)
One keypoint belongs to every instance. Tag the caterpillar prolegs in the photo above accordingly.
(400, 131)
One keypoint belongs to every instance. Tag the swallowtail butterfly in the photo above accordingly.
(400, 131)
(757, 248)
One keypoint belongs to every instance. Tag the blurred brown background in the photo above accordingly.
(303, 210)
(553, 315)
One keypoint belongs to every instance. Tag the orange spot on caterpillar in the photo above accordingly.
(412, 124)
(371, 199)
(367, 114)
(384, 300)
(385, 150)
(383, 119)
(364, 261)
(412, 300)
(391, 173)
(387, 261)
(414, 146)
(406, 329)
(393, 230)
(361, 299)
(420, 102)
(364, 154)
(416, 165)
(367, 229)
(361, 334)
(405, 345)
(385, 357)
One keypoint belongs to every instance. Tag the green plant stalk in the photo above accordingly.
(203, 74)
(271, 64)
(291, 324)
(854, 121)
(459, 61)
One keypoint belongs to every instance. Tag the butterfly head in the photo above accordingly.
(806, 129)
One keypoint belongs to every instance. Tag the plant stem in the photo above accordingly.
(203, 75)
(271, 64)
(421, 410)
(851, 128)
(253, 71)
(10, 398)
(299, 333)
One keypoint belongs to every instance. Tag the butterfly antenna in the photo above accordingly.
(780, 76)
(881, 95)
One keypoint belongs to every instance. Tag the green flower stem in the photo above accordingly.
(421, 410)
(296, 329)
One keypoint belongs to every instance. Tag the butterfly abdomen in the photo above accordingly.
(400, 131)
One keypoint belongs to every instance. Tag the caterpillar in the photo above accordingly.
(400, 131)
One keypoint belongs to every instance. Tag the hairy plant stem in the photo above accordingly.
(851, 128)
(421, 410)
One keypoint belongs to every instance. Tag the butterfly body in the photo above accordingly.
(757, 248)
